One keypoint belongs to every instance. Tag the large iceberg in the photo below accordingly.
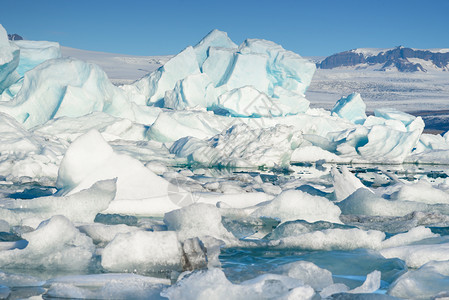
(217, 74)
(71, 88)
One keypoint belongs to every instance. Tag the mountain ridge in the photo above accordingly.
(401, 58)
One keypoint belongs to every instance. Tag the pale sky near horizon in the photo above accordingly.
(310, 28)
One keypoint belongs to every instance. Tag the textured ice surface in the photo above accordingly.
(297, 205)
(142, 251)
(240, 146)
(33, 53)
(56, 245)
(78, 207)
(351, 108)
(197, 220)
(106, 286)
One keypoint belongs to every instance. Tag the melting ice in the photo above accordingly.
(133, 191)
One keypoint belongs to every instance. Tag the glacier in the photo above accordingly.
(211, 176)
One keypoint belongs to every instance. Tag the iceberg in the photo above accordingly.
(217, 73)
(71, 88)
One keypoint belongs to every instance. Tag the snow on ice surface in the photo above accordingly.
(171, 141)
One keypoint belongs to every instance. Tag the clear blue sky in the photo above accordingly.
(310, 28)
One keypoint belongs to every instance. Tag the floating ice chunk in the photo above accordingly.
(240, 146)
(213, 284)
(151, 88)
(195, 90)
(213, 39)
(9, 60)
(296, 205)
(106, 286)
(417, 255)
(70, 88)
(139, 191)
(431, 142)
(351, 108)
(413, 235)
(33, 53)
(143, 251)
(79, 207)
(333, 289)
(371, 284)
(56, 245)
(101, 233)
(197, 220)
(423, 192)
(428, 282)
(393, 114)
(308, 273)
(345, 183)
(333, 239)
(388, 145)
(298, 227)
(364, 202)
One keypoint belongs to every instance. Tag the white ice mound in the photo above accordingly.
(259, 78)
(143, 251)
(351, 108)
(241, 146)
(333, 239)
(33, 53)
(213, 284)
(139, 191)
(55, 245)
(9, 60)
(70, 88)
(293, 205)
(197, 220)
(79, 207)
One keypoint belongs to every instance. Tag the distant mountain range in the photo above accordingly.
(14, 37)
(400, 58)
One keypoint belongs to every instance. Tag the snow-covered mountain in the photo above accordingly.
(400, 58)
